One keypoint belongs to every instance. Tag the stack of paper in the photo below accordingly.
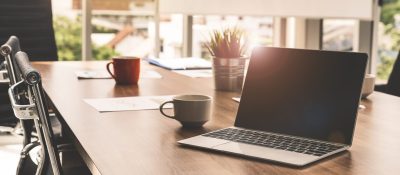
(102, 74)
(181, 63)
(92, 74)
(207, 73)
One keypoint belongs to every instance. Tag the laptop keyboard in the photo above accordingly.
(274, 141)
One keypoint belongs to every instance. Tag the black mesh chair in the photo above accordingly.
(32, 22)
(29, 103)
(393, 85)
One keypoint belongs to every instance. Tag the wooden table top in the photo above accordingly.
(145, 142)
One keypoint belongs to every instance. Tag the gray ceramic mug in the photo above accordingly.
(190, 110)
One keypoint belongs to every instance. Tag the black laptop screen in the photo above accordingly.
(305, 93)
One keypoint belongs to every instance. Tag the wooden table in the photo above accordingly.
(145, 142)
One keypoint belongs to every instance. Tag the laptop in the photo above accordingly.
(297, 106)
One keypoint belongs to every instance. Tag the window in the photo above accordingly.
(259, 31)
(119, 27)
(388, 39)
(67, 29)
(338, 34)
(122, 27)
(126, 27)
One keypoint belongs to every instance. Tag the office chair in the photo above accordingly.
(35, 108)
(393, 85)
(32, 22)
(8, 51)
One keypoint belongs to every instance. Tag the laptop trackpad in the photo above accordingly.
(266, 153)
(201, 141)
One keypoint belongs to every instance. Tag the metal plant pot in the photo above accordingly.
(229, 73)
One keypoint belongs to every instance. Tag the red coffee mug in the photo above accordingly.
(126, 70)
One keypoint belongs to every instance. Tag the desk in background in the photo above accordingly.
(144, 142)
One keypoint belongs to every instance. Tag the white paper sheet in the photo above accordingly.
(102, 74)
(128, 103)
(203, 73)
(237, 99)
(92, 74)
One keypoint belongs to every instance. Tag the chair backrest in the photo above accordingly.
(31, 86)
(32, 22)
(393, 85)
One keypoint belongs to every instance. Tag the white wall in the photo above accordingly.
(354, 9)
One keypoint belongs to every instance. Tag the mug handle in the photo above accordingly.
(108, 69)
(162, 111)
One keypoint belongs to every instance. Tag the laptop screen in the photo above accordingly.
(306, 93)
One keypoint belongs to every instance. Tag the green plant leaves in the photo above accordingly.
(227, 43)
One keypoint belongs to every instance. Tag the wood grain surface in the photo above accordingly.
(145, 142)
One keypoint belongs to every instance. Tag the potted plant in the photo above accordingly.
(227, 47)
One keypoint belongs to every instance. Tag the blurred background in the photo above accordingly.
(127, 27)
